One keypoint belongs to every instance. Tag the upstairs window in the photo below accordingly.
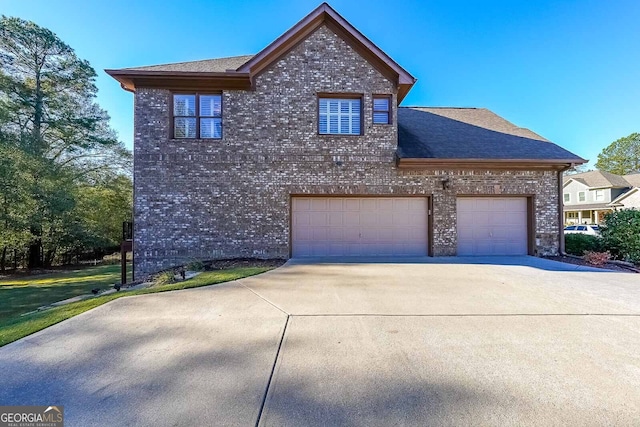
(337, 116)
(567, 197)
(582, 196)
(197, 116)
(381, 110)
(599, 195)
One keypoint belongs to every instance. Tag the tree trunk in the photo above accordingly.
(48, 258)
(35, 254)
(3, 259)
(38, 116)
(15, 260)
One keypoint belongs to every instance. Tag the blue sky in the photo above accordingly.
(568, 70)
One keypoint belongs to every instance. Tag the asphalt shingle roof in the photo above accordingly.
(217, 65)
(599, 179)
(634, 179)
(469, 133)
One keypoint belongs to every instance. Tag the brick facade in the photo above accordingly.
(206, 199)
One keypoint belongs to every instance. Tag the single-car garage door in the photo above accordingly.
(492, 226)
(359, 226)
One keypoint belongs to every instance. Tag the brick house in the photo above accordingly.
(303, 150)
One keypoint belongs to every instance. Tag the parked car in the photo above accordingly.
(593, 230)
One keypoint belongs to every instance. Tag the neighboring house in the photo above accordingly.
(589, 196)
(631, 198)
(302, 150)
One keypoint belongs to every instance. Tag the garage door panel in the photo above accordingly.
(353, 226)
(351, 218)
(301, 218)
(335, 219)
(336, 205)
(318, 204)
(319, 219)
(336, 234)
(301, 204)
(400, 205)
(320, 234)
(385, 204)
(492, 226)
(351, 204)
(351, 234)
(304, 234)
(368, 217)
(368, 205)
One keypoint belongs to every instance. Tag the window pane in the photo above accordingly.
(322, 126)
(210, 128)
(381, 118)
(210, 105)
(333, 105)
(323, 106)
(184, 127)
(339, 116)
(381, 104)
(184, 105)
(333, 124)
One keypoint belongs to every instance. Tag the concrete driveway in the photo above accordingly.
(512, 341)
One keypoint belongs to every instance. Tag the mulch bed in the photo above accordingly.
(578, 261)
(242, 262)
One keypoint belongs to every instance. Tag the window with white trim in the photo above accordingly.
(338, 116)
(197, 116)
(599, 195)
(582, 196)
(567, 197)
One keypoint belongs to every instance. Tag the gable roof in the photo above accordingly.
(326, 15)
(472, 135)
(598, 179)
(623, 196)
(633, 179)
(217, 65)
(239, 72)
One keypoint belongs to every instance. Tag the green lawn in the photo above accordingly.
(15, 327)
(22, 294)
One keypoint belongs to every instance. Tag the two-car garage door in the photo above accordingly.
(359, 226)
(398, 226)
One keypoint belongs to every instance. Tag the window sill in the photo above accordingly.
(340, 135)
(195, 139)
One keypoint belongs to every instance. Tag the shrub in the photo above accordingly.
(165, 278)
(621, 234)
(195, 265)
(597, 258)
(578, 244)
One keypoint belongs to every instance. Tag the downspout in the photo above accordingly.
(561, 211)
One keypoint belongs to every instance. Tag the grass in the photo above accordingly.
(13, 329)
(19, 295)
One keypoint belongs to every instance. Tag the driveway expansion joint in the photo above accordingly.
(273, 370)
(263, 298)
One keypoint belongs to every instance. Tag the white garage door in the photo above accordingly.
(492, 226)
(359, 226)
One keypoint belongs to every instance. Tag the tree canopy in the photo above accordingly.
(622, 157)
(64, 175)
